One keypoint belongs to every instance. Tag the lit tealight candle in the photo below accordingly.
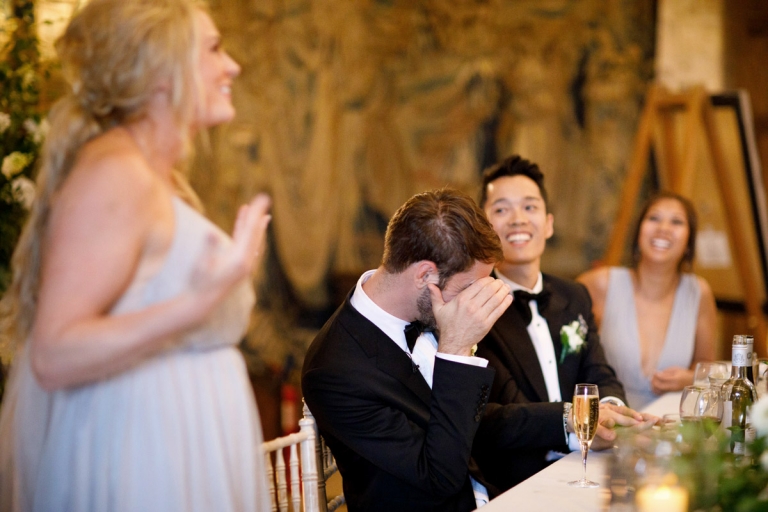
(662, 498)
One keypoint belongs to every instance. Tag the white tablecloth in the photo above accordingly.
(549, 490)
(668, 403)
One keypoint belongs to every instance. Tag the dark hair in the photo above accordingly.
(514, 165)
(690, 213)
(443, 226)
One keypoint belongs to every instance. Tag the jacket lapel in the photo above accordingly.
(510, 328)
(390, 358)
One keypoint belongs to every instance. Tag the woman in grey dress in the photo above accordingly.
(656, 319)
(127, 391)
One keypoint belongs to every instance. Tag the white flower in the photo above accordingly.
(570, 329)
(24, 191)
(14, 163)
(575, 340)
(5, 121)
(36, 131)
(29, 125)
(573, 337)
(759, 417)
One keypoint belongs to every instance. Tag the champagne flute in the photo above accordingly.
(586, 408)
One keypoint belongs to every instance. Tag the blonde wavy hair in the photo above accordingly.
(113, 54)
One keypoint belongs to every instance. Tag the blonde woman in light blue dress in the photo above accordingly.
(656, 319)
(127, 392)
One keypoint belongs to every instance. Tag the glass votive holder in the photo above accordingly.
(670, 428)
(632, 454)
(659, 488)
(620, 477)
(669, 422)
(662, 497)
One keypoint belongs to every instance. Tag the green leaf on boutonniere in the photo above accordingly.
(564, 343)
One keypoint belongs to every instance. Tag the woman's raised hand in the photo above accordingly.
(249, 235)
(220, 268)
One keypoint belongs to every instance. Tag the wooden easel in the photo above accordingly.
(679, 177)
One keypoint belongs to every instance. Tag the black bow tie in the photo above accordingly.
(412, 332)
(522, 298)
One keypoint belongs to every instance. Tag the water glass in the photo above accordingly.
(706, 371)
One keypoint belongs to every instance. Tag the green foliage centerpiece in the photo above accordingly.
(694, 459)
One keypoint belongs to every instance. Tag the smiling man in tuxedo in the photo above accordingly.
(547, 342)
(391, 378)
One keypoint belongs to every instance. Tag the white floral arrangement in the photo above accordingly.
(759, 416)
(21, 143)
(15, 163)
(22, 188)
(23, 127)
(573, 337)
(759, 420)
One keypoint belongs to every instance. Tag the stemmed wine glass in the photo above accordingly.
(586, 408)
(709, 407)
(689, 405)
(705, 371)
(702, 408)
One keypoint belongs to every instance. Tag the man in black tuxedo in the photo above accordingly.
(547, 342)
(400, 409)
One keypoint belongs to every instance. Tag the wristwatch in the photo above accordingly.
(566, 412)
(612, 400)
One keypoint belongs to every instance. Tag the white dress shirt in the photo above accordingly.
(541, 338)
(424, 351)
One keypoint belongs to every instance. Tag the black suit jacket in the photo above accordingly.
(519, 379)
(400, 445)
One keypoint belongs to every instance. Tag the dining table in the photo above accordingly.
(549, 490)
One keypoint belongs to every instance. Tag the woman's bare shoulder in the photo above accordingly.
(702, 282)
(596, 280)
(705, 288)
(113, 158)
(109, 169)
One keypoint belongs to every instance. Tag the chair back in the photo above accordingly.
(303, 493)
(326, 466)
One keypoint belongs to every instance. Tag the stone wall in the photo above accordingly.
(346, 109)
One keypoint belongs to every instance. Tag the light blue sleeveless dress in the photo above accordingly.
(179, 432)
(620, 337)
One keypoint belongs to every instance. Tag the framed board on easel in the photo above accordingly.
(703, 147)
(715, 261)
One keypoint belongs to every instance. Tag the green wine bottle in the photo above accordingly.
(739, 394)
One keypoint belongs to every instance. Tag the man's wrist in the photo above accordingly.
(473, 360)
(566, 414)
